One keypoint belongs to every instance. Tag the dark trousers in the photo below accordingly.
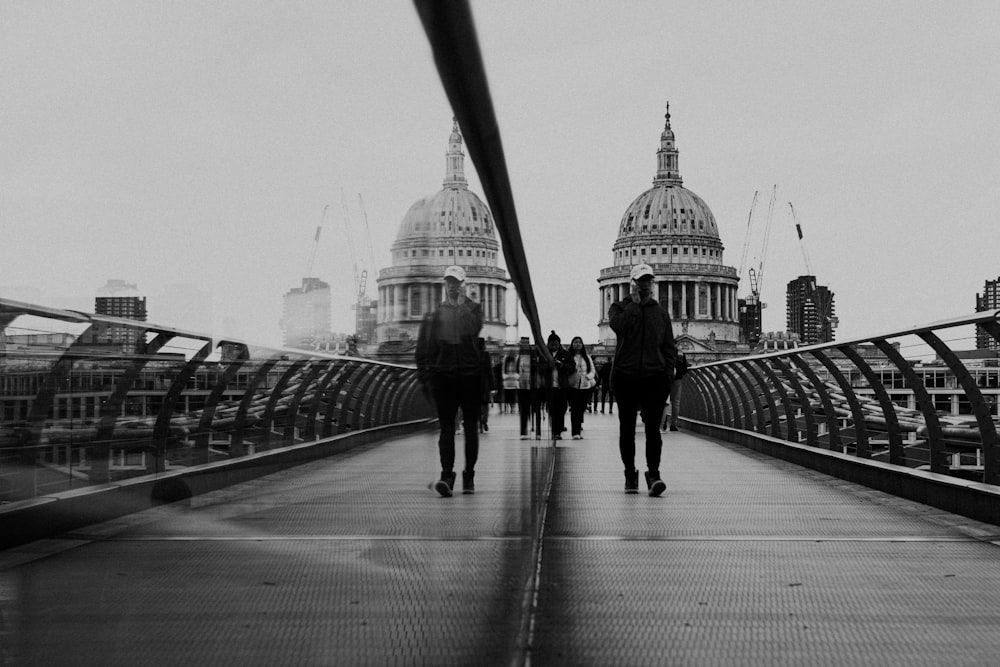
(578, 400)
(607, 396)
(650, 395)
(527, 405)
(450, 393)
(556, 400)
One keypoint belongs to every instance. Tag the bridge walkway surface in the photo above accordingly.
(353, 560)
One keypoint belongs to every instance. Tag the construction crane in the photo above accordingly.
(802, 243)
(746, 238)
(824, 305)
(759, 279)
(756, 276)
(751, 307)
(359, 280)
(368, 238)
(319, 230)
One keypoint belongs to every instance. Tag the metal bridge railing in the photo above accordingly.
(87, 400)
(863, 397)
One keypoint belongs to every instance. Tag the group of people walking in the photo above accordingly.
(453, 368)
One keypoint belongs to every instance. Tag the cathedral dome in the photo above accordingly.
(673, 230)
(668, 223)
(668, 210)
(452, 226)
(454, 211)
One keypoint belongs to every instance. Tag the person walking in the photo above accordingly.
(510, 382)
(528, 386)
(604, 380)
(645, 356)
(556, 377)
(670, 414)
(449, 364)
(487, 386)
(579, 385)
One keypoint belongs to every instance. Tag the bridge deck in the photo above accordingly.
(353, 560)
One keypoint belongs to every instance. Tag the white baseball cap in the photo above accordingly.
(640, 270)
(456, 272)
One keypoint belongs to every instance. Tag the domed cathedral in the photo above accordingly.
(453, 226)
(673, 230)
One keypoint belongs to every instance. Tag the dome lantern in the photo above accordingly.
(454, 176)
(667, 171)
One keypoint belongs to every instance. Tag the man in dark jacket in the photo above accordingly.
(449, 365)
(645, 356)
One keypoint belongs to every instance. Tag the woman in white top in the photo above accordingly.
(581, 383)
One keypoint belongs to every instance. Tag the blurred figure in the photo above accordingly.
(487, 374)
(579, 385)
(604, 381)
(643, 370)
(449, 363)
(670, 414)
(528, 385)
(509, 399)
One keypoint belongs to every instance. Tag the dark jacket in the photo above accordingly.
(448, 340)
(564, 366)
(645, 334)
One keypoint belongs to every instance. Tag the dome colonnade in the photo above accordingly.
(673, 230)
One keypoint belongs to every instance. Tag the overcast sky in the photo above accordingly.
(198, 144)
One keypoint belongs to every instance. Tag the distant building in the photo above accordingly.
(119, 299)
(453, 226)
(365, 320)
(810, 311)
(988, 300)
(751, 311)
(776, 341)
(305, 315)
(673, 230)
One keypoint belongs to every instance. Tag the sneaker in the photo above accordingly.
(444, 485)
(468, 483)
(578, 437)
(655, 484)
(673, 427)
(632, 481)
(524, 437)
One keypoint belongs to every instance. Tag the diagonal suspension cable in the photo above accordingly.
(452, 36)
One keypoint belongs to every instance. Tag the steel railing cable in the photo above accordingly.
(453, 41)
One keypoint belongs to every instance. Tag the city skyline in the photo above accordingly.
(201, 145)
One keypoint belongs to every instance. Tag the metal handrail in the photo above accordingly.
(81, 411)
(804, 395)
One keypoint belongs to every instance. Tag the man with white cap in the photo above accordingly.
(645, 356)
(449, 366)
